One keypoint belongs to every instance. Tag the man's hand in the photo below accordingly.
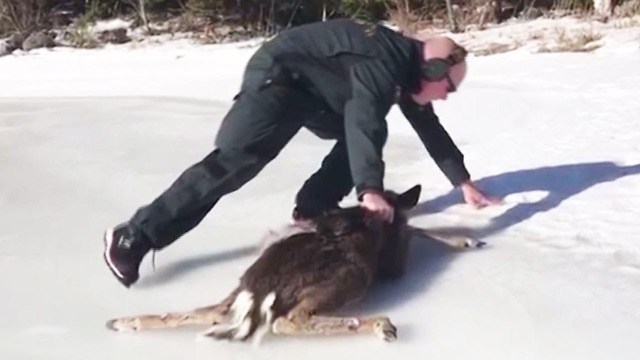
(475, 197)
(377, 206)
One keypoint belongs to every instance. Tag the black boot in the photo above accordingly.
(124, 248)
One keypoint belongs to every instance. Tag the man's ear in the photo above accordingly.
(409, 198)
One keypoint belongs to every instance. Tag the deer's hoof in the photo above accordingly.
(385, 330)
(121, 325)
(474, 244)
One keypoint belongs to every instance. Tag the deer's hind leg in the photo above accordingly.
(324, 325)
(207, 315)
(347, 286)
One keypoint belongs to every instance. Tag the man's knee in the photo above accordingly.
(232, 167)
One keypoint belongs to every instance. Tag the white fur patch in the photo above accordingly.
(243, 329)
(266, 314)
(238, 317)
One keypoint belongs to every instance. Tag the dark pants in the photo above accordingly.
(267, 113)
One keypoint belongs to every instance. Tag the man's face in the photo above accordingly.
(439, 90)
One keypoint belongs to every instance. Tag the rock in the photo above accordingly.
(4, 48)
(16, 41)
(114, 36)
(38, 40)
(11, 44)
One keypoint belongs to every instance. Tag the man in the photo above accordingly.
(339, 79)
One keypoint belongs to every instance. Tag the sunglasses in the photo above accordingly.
(434, 70)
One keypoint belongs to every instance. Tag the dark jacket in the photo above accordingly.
(359, 72)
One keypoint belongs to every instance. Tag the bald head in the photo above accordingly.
(438, 47)
(442, 47)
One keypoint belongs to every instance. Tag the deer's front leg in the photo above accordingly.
(458, 239)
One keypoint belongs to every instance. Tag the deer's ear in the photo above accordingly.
(409, 198)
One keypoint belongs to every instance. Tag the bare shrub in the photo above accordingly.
(407, 20)
(140, 7)
(22, 16)
(628, 9)
(81, 35)
(475, 14)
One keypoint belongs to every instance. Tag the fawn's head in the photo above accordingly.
(343, 221)
(402, 203)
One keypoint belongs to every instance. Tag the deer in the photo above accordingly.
(300, 278)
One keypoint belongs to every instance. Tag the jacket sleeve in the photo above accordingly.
(365, 125)
(436, 140)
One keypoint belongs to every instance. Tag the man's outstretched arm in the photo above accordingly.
(443, 150)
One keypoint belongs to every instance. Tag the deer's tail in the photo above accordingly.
(249, 316)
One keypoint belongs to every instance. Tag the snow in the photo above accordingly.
(87, 136)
